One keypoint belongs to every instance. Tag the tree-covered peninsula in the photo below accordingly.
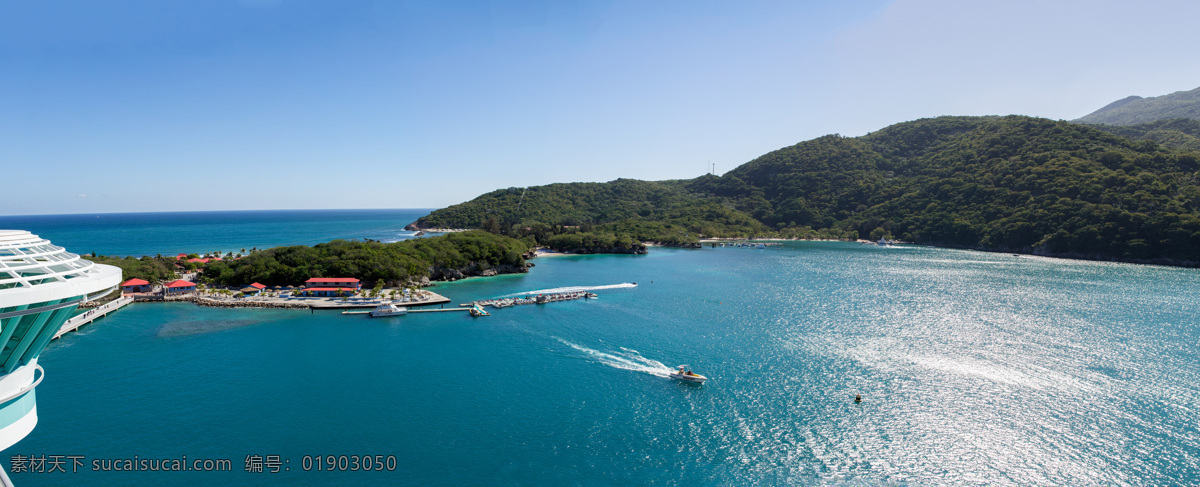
(452, 256)
(1010, 183)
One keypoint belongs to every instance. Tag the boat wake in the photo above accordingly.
(571, 289)
(626, 359)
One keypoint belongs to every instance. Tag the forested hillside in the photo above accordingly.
(1135, 109)
(641, 210)
(999, 183)
(1175, 133)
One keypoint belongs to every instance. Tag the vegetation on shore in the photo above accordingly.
(151, 269)
(399, 263)
(1009, 183)
(624, 209)
(1176, 133)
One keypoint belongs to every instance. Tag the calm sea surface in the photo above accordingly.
(975, 369)
(170, 233)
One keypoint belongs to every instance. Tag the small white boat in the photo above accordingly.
(688, 376)
(388, 309)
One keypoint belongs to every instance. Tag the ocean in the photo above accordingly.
(170, 233)
(974, 369)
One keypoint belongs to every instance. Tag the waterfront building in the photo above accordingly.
(135, 286)
(41, 285)
(331, 286)
(253, 289)
(178, 287)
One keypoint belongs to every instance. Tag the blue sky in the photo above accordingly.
(161, 105)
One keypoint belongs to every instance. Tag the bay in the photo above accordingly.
(974, 369)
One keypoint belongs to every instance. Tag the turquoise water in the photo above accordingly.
(975, 369)
(170, 233)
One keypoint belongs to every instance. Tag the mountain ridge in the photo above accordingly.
(1133, 110)
(1003, 183)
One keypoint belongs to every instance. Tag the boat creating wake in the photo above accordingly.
(626, 359)
(571, 289)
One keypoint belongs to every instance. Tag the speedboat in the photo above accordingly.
(388, 309)
(688, 376)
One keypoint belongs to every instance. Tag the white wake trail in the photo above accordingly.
(571, 289)
(626, 360)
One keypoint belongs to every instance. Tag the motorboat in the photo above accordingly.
(388, 309)
(688, 376)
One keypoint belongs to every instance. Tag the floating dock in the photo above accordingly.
(90, 315)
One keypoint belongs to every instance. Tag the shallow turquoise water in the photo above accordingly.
(976, 369)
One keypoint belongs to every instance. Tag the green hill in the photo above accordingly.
(1008, 183)
(1176, 133)
(1135, 109)
(645, 210)
(997, 183)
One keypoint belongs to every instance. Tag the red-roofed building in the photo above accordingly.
(330, 286)
(180, 256)
(135, 286)
(204, 260)
(344, 282)
(179, 287)
(253, 289)
(331, 292)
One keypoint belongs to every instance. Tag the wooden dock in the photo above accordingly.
(90, 315)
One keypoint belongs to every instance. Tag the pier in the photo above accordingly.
(334, 303)
(436, 310)
(539, 299)
(476, 308)
(90, 315)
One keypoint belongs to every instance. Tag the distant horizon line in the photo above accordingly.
(213, 211)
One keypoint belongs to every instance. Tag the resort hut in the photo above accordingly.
(135, 286)
(253, 289)
(179, 287)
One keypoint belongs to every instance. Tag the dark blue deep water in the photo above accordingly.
(975, 369)
(170, 233)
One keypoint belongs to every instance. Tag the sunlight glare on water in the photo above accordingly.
(974, 369)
